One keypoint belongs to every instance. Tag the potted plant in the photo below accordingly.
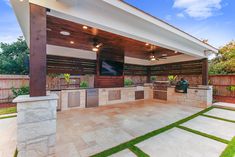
(128, 82)
(67, 79)
(84, 84)
(172, 79)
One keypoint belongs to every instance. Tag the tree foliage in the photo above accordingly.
(224, 62)
(14, 57)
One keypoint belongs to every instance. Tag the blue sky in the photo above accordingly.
(205, 19)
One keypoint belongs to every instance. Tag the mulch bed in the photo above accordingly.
(7, 105)
(225, 99)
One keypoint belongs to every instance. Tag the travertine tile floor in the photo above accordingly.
(84, 132)
(181, 143)
(218, 128)
(221, 113)
(7, 137)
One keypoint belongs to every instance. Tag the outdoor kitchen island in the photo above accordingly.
(94, 97)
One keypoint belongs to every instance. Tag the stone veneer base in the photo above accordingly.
(36, 125)
(196, 97)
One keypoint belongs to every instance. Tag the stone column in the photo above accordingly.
(36, 125)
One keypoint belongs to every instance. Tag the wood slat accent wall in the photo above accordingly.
(60, 65)
(181, 68)
(135, 70)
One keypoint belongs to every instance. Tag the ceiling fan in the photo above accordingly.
(96, 45)
(153, 56)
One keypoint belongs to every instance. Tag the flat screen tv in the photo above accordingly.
(111, 68)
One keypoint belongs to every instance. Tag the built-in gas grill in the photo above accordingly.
(160, 90)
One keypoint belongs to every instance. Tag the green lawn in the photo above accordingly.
(230, 149)
(8, 110)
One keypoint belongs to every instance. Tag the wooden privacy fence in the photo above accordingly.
(221, 83)
(9, 81)
(57, 83)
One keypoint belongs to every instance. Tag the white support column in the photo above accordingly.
(36, 125)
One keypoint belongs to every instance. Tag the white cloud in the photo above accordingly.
(181, 15)
(201, 9)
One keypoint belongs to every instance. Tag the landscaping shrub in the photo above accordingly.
(23, 90)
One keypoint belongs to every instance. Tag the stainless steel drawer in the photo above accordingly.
(73, 99)
(92, 98)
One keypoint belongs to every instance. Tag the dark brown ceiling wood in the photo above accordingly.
(83, 39)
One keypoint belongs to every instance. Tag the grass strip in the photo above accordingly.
(229, 150)
(16, 153)
(138, 152)
(142, 138)
(218, 118)
(8, 117)
(8, 110)
(204, 134)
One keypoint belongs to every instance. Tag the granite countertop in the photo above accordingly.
(199, 87)
(134, 86)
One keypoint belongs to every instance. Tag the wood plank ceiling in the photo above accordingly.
(81, 38)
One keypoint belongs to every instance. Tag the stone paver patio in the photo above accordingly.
(218, 128)
(180, 143)
(94, 130)
(221, 113)
(7, 137)
(86, 132)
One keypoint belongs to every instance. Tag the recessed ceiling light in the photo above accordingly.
(176, 51)
(21, 0)
(85, 27)
(71, 42)
(95, 49)
(146, 44)
(66, 33)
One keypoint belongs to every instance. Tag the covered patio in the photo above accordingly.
(108, 41)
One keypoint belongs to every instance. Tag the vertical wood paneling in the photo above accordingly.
(205, 71)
